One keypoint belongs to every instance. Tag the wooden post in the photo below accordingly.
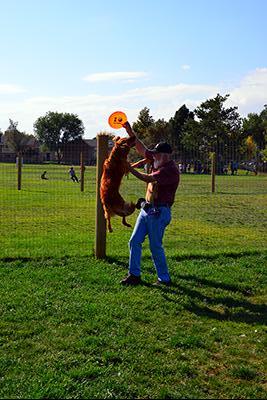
(213, 171)
(82, 171)
(100, 236)
(19, 166)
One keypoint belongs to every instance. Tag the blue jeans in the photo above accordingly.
(153, 226)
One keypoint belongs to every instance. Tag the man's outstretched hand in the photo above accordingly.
(128, 128)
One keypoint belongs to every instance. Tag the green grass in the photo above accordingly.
(69, 330)
(53, 218)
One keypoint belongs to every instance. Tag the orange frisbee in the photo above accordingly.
(117, 119)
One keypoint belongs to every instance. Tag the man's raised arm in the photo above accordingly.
(140, 147)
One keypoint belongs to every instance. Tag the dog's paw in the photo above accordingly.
(139, 203)
(125, 222)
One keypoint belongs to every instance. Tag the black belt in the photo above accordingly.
(148, 206)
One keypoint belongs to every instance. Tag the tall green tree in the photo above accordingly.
(255, 125)
(251, 147)
(159, 131)
(217, 128)
(176, 126)
(16, 140)
(55, 129)
(144, 121)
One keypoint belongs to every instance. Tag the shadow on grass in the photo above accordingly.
(242, 193)
(9, 260)
(217, 285)
(114, 261)
(123, 262)
(224, 306)
(215, 256)
(228, 308)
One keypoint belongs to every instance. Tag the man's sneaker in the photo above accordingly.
(162, 283)
(131, 280)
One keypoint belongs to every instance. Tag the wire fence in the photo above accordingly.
(52, 215)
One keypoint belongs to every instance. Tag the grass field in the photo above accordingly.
(69, 330)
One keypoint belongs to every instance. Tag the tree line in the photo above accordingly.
(211, 127)
(52, 131)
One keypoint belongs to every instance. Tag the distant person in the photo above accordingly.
(205, 169)
(73, 176)
(234, 166)
(180, 166)
(199, 167)
(188, 167)
(43, 176)
(225, 169)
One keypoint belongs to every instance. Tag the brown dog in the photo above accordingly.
(114, 168)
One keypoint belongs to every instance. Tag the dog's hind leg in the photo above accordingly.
(125, 223)
(107, 218)
(109, 224)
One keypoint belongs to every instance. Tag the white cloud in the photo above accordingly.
(170, 93)
(10, 89)
(185, 67)
(95, 109)
(114, 76)
(249, 95)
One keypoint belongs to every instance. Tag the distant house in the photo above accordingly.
(6, 154)
(31, 155)
(71, 152)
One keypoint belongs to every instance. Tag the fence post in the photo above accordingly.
(213, 171)
(19, 165)
(100, 236)
(82, 171)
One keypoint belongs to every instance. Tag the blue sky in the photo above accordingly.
(92, 58)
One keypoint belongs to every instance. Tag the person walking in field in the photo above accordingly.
(155, 213)
(73, 176)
